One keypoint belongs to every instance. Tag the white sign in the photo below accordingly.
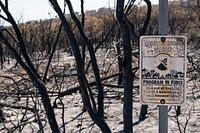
(163, 70)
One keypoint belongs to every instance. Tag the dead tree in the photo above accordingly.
(2, 58)
(27, 64)
(2, 118)
(127, 67)
(88, 98)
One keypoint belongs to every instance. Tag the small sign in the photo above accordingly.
(163, 70)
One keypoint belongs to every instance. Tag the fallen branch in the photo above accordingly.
(18, 107)
(75, 89)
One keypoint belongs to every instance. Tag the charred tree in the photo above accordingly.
(127, 67)
(85, 88)
(27, 64)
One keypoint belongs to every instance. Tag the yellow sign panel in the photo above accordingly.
(163, 70)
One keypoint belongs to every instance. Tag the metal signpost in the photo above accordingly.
(163, 68)
(163, 30)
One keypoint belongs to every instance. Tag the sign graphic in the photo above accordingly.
(163, 70)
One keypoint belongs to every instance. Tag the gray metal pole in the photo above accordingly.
(163, 17)
(163, 30)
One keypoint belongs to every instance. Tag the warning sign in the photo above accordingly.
(163, 70)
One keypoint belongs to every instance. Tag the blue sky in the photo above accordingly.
(26, 10)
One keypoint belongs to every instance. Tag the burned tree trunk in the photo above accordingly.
(1, 55)
(87, 97)
(27, 64)
(2, 118)
(127, 67)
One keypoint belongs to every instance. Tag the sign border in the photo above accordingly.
(185, 69)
